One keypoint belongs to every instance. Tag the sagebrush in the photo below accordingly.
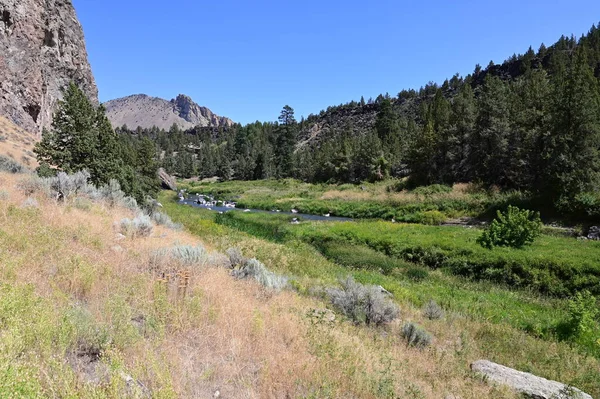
(363, 304)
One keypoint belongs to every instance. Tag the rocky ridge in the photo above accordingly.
(140, 110)
(42, 51)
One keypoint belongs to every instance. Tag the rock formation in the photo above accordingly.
(144, 111)
(526, 384)
(42, 49)
(168, 182)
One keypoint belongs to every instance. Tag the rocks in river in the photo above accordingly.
(525, 383)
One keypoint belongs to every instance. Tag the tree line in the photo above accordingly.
(531, 124)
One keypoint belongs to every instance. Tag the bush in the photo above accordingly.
(33, 185)
(163, 219)
(433, 311)
(182, 255)
(236, 258)
(415, 336)
(112, 194)
(64, 186)
(363, 304)
(11, 166)
(252, 268)
(583, 312)
(140, 226)
(4, 195)
(515, 228)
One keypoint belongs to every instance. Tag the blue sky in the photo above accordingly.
(247, 59)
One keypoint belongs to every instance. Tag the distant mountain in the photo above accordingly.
(143, 111)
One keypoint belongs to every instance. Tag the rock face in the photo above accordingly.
(144, 111)
(526, 383)
(42, 49)
(167, 180)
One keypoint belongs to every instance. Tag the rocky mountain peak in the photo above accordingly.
(140, 110)
(42, 50)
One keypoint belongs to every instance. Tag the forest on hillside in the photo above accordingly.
(529, 124)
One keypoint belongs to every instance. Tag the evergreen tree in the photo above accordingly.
(286, 140)
(571, 154)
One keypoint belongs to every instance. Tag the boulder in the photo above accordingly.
(594, 233)
(525, 383)
(167, 180)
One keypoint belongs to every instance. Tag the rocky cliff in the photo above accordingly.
(145, 111)
(42, 49)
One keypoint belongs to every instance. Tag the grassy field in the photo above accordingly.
(87, 313)
(427, 205)
(516, 327)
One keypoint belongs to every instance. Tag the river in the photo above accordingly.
(300, 216)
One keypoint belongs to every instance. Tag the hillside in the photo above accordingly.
(91, 313)
(43, 50)
(147, 112)
(17, 144)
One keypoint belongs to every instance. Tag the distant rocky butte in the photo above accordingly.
(144, 111)
(42, 50)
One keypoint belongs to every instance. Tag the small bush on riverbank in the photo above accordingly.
(514, 228)
(415, 336)
(140, 226)
(11, 166)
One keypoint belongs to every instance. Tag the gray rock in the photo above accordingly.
(143, 111)
(167, 180)
(594, 233)
(43, 50)
(526, 383)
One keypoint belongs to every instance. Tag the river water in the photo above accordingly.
(300, 216)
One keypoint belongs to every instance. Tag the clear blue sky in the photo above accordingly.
(247, 59)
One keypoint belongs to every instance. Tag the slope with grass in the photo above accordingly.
(87, 312)
(17, 144)
(519, 328)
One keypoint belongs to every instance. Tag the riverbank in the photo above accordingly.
(484, 318)
(431, 205)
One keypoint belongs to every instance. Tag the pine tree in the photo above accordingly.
(490, 145)
(571, 155)
(285, 142)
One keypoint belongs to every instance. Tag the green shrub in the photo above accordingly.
(583, 312)
(514, 228)
(415, 336)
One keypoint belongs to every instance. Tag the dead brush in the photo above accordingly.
(175, 284)
(174, 266)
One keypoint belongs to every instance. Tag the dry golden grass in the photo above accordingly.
(222, 335)
(17, 144)
(379, 194)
